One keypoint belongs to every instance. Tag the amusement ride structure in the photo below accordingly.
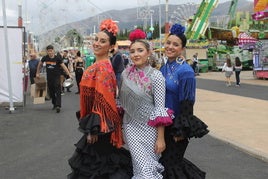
(239, 37)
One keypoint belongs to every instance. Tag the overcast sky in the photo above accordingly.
(58, 12)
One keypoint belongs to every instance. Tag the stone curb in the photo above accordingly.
(251, 151)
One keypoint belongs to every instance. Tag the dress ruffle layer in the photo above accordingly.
(185, 170)
(90, 124)
(186, 124)
(100, 160)
(189, 126)
(176, 166)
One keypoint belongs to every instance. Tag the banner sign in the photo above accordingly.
(15, 43)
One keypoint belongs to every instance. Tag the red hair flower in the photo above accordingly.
(110, 26)
(137, 34)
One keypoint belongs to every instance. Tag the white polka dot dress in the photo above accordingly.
(141, 140)
(141, 106)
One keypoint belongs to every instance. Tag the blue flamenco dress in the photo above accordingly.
(180, 97)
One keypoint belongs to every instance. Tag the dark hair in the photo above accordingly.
(178, 30)
(66, 51)
(58, 55)
(237, 61)
(182, 37)
(50, 47)
(78, 54)
(228, 62)
(112, 37)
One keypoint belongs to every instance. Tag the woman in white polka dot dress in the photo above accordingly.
(142, 95)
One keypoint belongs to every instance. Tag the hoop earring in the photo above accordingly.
(148, 59)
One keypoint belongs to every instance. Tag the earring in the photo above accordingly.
(148, 59)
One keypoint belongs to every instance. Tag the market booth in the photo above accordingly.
(260, 54)
(260, 59)
(245, 39)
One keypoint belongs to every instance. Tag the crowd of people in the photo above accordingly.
(136, 116)
(136, 119)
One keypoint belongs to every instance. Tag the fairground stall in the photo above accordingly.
(260, 53)
(260, 59)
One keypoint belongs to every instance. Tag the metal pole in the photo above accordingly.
(166, 24)
(160, 38)
(11, 105)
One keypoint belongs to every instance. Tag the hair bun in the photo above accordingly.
(177, 29)
(110, 26)
(137, 34)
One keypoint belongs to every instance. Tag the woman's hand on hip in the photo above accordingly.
(91, 139)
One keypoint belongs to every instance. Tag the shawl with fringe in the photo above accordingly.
(142, 95)
(97, 95)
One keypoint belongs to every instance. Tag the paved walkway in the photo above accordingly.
(240, 121)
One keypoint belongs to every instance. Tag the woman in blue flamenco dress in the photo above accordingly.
(180, 97)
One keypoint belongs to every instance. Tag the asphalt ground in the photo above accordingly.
(36, 142)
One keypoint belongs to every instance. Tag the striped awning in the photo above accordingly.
(244, 38)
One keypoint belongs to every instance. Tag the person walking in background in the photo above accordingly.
(117, 63)
(25, 71)
(79, 65)
(228, 69)
(237, 68)
(195, 64)
(33, 64)
(180, 97)
(64, 76)
(126, 60)
(99, 153)
(53, 69)
(142, 96)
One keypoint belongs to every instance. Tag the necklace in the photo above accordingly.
(171, 69)
(179, 61)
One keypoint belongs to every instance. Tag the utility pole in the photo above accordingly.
(166, 23)
(160, 38)
(9, 80)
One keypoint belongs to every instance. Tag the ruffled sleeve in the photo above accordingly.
(188, 125)
(160, 116)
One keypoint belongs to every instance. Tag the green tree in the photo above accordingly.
(75, 38)
(57, 39)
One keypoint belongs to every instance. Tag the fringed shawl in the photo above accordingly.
(142, 95)
(97, 95)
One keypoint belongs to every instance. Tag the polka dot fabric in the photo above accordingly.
(141, 139)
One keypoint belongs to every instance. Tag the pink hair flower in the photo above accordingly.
(137, 34)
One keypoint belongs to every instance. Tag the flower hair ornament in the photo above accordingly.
(177, 29)
(137, 34)
(110, 26)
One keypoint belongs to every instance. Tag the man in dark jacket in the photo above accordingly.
(33, 64)
(117, 63)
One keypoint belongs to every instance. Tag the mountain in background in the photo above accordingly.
(127, 19)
